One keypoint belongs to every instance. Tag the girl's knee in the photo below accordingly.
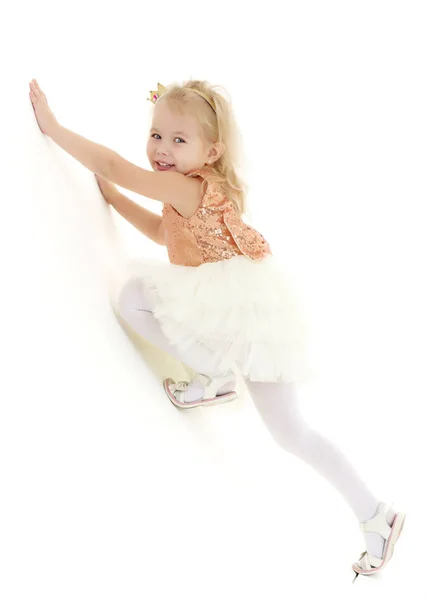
(278, 407)
(134, 296)
(128, 296)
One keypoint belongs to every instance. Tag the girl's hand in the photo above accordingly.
(45, 118)
(108, 189)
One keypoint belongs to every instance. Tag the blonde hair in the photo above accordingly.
(216, 126)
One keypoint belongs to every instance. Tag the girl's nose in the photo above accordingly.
(161, 156)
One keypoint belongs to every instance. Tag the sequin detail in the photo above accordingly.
(215, 232)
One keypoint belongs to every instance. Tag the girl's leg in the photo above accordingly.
(135, 306)
(277, 404)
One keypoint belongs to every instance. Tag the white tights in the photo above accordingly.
(277, 405)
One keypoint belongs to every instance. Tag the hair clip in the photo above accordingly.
(154, 96)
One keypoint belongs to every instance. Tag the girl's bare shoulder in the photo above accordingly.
(188, 195)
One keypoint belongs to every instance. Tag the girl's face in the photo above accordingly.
(175, 139)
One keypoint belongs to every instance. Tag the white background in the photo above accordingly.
(107, 490)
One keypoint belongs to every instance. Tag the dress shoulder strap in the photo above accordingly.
(211, 193)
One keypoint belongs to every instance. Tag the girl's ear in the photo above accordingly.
(216, 151)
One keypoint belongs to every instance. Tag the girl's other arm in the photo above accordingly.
(150, 224)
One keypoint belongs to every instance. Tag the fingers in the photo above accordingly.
(34, 92)
(35, 88)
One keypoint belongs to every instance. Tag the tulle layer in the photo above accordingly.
(245, 311)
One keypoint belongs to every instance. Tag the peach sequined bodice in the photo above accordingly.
(214, 232)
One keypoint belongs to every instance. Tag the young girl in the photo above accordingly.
(222, 300)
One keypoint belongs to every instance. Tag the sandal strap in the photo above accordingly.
(213, 384)
(368, 561)
(378, 523)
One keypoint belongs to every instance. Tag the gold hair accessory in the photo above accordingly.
(157, 94)
(154, 96)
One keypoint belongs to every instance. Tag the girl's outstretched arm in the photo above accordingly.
(94, 157)
(169, 187)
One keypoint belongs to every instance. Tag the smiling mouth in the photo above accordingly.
(164, 165)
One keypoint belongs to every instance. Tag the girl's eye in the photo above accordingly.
(177, 138)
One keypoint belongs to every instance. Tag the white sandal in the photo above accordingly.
(211, 385)
(367, 563)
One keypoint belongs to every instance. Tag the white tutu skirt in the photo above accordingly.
(246, 312)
